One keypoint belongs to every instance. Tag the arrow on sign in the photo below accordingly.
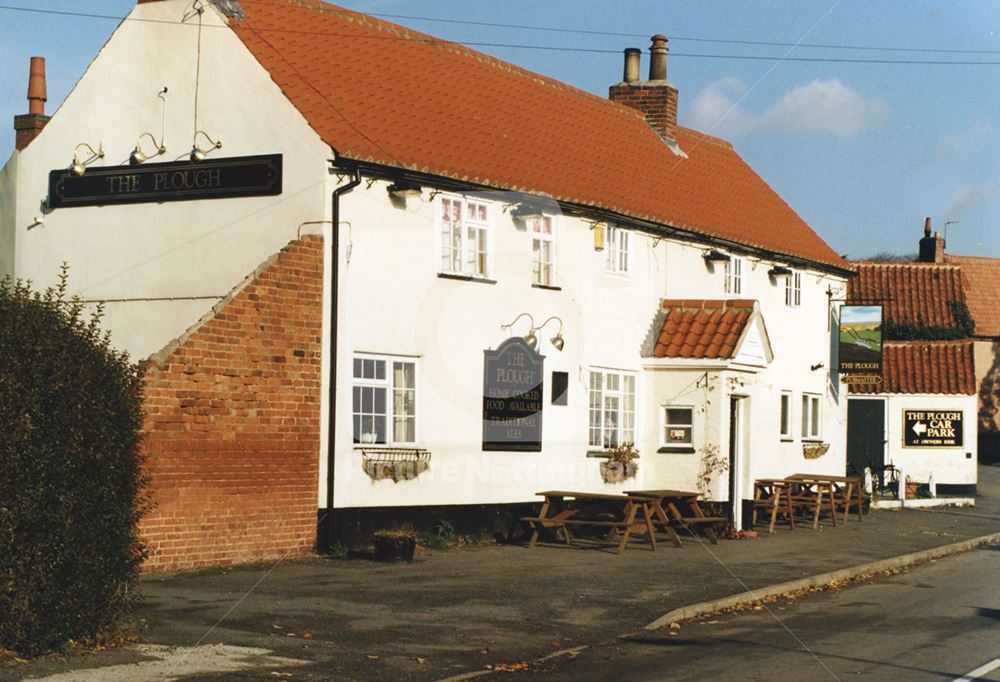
(920, 428)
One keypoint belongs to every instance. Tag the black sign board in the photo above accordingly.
(238, 176)
(932, 428)
(512, 397)
(860, 346)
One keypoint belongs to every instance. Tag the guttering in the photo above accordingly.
(331, 431)
(393, 173)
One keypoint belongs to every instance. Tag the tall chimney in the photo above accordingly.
(931, 248)
(658, 58)
(632, 57)
(28, 126)
(656, 98)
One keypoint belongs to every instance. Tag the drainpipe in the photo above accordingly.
(334, 312)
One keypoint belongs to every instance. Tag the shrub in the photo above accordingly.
(71, 484)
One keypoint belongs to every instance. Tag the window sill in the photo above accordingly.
(677, 450)
(550, 287)
(786, 439)
(598, 453)
(466, 278)
(813, 441)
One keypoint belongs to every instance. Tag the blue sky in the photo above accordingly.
(862, 151)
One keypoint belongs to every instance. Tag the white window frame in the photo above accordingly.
(618, 251)
(785, 415)
(812, 416)
(387, 384)
(466, 244)
(666, 425)
(538, 239)
(625, 426)
(793, 289)
(732, 281)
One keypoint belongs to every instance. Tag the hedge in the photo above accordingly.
(71, 484)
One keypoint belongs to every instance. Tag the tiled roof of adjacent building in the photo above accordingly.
(981, 278)
(382, 93)
(910, 293)
(924, 367)
(700, 329)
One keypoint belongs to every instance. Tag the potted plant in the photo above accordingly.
(394, 545)
(912, 487)
(620, 464)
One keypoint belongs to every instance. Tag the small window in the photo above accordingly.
(786, 415)
(793, 290)
(560, 388)
(810, 416)
(733, 283)
(465, 236)
(543, 250)
(617, 251)
(678, 427)
(384, 401)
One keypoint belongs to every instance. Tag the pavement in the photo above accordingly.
(457, 611)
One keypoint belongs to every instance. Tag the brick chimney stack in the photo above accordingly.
(656, 98)
(28, 126)
(931, 248)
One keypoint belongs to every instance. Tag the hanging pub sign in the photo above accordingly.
(238, 176)
(860, 346)
(933, 428)
(512, 397)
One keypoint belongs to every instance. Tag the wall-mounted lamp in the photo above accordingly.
(715, 256)
(818, 365)
(530, 337)
(199, 153)
(79, 167)
(527, 210)
(557, 341)
(139, 156)
(779, 271)
(403, 189)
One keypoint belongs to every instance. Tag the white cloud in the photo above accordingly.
(819, 107)
(963, 144)
(969, 196)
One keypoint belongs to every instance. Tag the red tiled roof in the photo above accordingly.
(908, 292)
(981, 279)
(382, 93)
(701, 329)
(925, 367)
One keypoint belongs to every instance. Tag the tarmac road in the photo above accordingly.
(939, 621)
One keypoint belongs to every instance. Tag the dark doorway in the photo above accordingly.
(865, 435)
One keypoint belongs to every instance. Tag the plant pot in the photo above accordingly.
(911, 490)
(394, 547)
(616, 472)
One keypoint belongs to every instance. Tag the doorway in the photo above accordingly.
(865, 434)
(736, 439)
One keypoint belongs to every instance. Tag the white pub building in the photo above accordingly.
(366, 269)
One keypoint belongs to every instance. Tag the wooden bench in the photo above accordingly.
(624, 522)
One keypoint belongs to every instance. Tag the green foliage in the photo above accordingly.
(443, 536)
(71, 485)
(964, 327)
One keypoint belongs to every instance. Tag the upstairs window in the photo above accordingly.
(465, 236)
(786, 415)
(385, 401)
(617, 251)
(733, 283)
(612, 408)
(793, 290)
(543, 250)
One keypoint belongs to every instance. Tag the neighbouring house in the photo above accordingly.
(368, 269)
(922, 417)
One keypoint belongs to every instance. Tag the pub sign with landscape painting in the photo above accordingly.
(860, 346)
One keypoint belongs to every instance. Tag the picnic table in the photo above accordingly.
(773, 495)
(617, 513)
(844, 491)
(673, 500)
(815, 492)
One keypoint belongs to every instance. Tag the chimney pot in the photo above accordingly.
(37, 94)
(632, 57)
(658, 58)
(927, 226)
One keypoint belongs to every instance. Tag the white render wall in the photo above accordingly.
(170, 250)
(394, 303)
(953, 466)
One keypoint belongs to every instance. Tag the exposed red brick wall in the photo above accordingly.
(232, 427)
(657, 102)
